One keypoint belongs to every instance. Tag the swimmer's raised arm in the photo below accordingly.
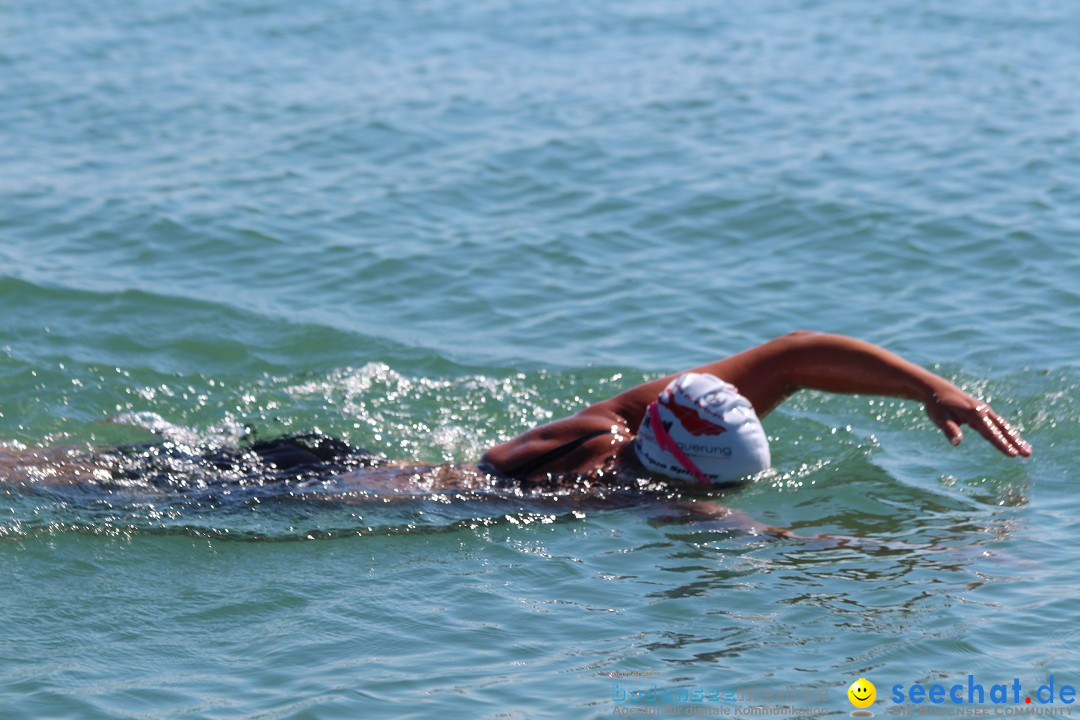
(771, 372)
(766, 375)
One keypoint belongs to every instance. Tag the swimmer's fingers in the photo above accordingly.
(953, 432)
(999, 432)
(950, 415)
(945, 420)
(1022, 445)
(989, 430)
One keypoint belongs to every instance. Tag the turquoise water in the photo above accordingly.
(427, 226)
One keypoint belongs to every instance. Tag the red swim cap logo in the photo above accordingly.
(691, 419)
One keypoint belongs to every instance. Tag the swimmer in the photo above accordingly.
(700, 428)
(620, 433)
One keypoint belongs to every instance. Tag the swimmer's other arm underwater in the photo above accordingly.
(703, 425)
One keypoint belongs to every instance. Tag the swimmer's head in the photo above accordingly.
(701, 429)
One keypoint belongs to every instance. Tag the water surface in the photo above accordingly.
(425, 227)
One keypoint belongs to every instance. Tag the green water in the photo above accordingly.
(425, 227)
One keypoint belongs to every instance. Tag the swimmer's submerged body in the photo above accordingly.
(700, 428)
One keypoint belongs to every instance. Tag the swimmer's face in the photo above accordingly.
(862, 693)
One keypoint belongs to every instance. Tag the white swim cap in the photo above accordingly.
(707, 432)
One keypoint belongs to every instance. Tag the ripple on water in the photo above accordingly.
(427, 227)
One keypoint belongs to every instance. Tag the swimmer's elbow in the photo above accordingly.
(792, 341)
(799, 335)
(495, 456)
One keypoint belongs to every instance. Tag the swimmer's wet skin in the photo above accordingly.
(617, 433)
(686, 426)
(699, 428)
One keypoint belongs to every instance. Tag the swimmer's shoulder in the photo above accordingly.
(579, 443)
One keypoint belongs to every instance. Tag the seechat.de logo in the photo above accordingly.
(862, 694)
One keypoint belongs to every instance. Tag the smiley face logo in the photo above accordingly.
(862, 693)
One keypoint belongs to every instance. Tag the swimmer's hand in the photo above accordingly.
(950, 407)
